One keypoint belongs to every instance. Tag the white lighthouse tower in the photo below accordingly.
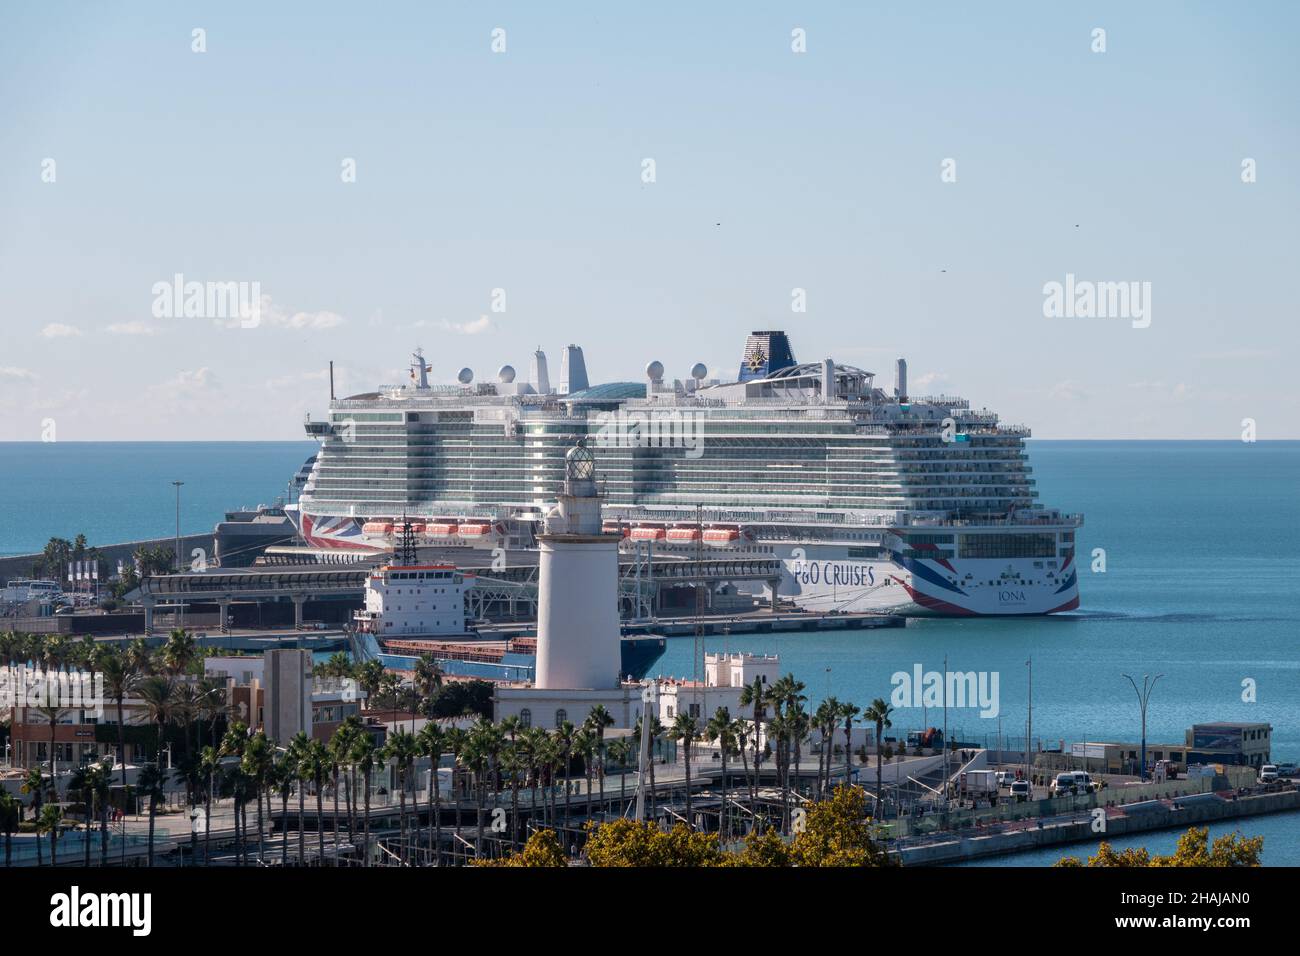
(578, 637)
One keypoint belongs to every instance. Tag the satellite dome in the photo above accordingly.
(655, 370)
(465, 376)
(506, 373)
(699, 370)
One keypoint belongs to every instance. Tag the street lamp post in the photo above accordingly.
(1144, 696)
(178, 524)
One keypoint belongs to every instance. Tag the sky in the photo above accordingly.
(649, 182)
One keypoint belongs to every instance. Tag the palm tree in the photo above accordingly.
(10, 813)
(298, 747)
(755, 695)
(455, 738)
(158, 695)
(584, 746)
(34, 783)
(656, 733)
(233, 744)
(316, 759)
(179, 652)
(80, 782)
(719, 728)
(150, 783)
(532, 742)
(363, 757)
(564, 735)
(826, 718)
(433, 744)
(48, 822)
(257, 763)
(848, 713)
(209, 764)
(740, 731)
(139, 658)
(340, 749)
(282, 777)
(510, 727)
(878, 714)
(338, 665)
(119, 681)
(600, 719)
(781, 729)
(618, 751)
(428, 676)
(402, 750)
(685, 730)
(52, 716)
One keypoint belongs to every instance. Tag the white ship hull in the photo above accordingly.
(823, 577)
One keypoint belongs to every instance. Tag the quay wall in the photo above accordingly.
(20, 565)
(974, 846)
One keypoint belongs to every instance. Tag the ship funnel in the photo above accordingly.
(541, 378)
(828, 380)
(900, 377)
(573, 371)
(419, 370)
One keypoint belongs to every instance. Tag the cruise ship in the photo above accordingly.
(872, 499)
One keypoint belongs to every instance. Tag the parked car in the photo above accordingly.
(1064, 784)
(1268, 773)
(1021, 790)
(1083, 782)
(1286, 770)
(1006, 778)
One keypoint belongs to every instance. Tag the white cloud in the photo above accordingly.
(186, 383)
(57, 330)
(918, 382)
(275, 316)
(19, 374)
(130, 328)
(1067, 391)
(475, 327)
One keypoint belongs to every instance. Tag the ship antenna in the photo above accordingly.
(408, 542)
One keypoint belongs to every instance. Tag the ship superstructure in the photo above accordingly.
(872, 498)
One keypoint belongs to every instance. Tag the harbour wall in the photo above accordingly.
(974, 846)
(20, 565)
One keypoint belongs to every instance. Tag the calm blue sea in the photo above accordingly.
(122, 491)
(1202, 580)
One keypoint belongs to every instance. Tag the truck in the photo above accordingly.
(977, 785)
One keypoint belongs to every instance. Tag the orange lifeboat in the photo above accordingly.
(648, 533)
(440, 529)
(683, 534)
(377, 527)
(721, 535)
(472, 530)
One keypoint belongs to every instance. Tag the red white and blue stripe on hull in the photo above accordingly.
(334, 532)
(947, 587)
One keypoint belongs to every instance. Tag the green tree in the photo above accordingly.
(719, 728)
(1194, 850)
(402, 750)
(878, 713)
(11, 812)
(684, 730)
(432, 742)
(49, 821)
(149, 782)
(836, 833)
